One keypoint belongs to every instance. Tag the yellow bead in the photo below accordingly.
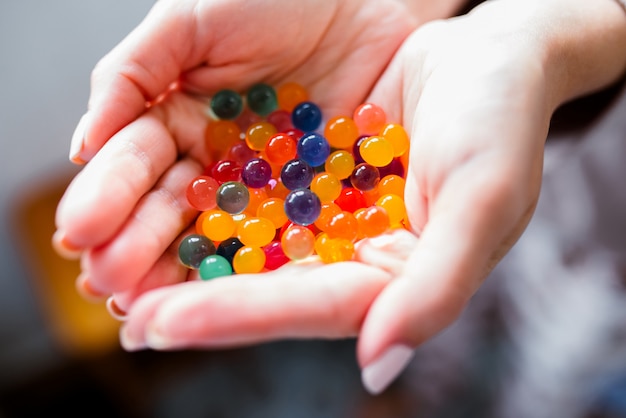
(256, 232)
(394, 205)
(376, 151)
(273, 209)
(340, 163)
(326, 186)
(397, 137)
(249, 260)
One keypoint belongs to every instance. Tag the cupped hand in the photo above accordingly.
(143, 133)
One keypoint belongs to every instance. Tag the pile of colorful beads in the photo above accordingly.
(285, 186)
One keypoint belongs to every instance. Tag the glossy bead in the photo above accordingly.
(227, 104)
(333, 250)
(394, 167)
(281, 119)
(256, 173)
(327, 211)
(257, 196)
(397, 137)
(232, 197)
(249, 260)
(199, 220)
(343, 225)
(356, 152)
(201, 193)
(258, 134)
(369, 118)
(291, 94)
(276, 188)
(275, 257)
(341, 132)
(302, 206)
(297, 174)
(220, 136)
(240, 153)
(218, 225)
(226, 170)
(281, 148)
(392, 184)
(273, 209)
(228, 248)
(350, 199)
(306, 116)
(394, 205)
(376, 151)
(298, 242)
(193, 249)
(372, 221)
(256, 232)
(326, 186)
(314, 149)
(214, 266)
(261, 99)
(365, 177)
(340, 163)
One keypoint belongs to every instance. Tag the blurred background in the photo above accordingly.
(59, 353)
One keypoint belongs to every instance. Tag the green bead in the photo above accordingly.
(195, 248)
(214, 266)
(227, 104)
(262, 99)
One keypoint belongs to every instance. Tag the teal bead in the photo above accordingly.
(214, 266)
(227, 104)
(262, 99)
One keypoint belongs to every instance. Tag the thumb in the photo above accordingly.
(468, 230)
(143, 66)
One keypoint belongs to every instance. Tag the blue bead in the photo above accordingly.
(302, 206)
(306, 116)
(314, 149)
(297, 174)
(256, 173)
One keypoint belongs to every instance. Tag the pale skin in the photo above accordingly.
(476, 94)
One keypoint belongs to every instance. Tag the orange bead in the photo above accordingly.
(369, 118)
(218, 225)
(256, 232)
(290, 95)
(341, 132)
(257, 196)
(343, 225)
(372, 221)
(327, 211)
(326, 186)
(394, 205)
(397, 137)
(220, 136)
(258, 134)
(340, 163)
(298, 242)
(392, 184)
(273, 208)
(249, 260)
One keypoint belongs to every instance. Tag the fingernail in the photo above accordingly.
(384, 370)
(128, 343)
(156, 340)
(114, 310)
(382, 241)
(78, 140)
(64, 247)
(86, 290)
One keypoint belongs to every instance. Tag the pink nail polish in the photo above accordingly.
(377, 375)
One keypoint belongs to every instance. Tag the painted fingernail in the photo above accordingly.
(78, 140)
(64, 247)
(86, 290)
(128, 343)
(384, 370)
(114, 310)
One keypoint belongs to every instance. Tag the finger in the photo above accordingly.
(159, 217)
(295, 301)
(455, 252)
(134, 73)
(105, 192)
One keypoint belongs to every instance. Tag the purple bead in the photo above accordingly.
(365, 177)
(394, 167)
(256, 173)
(302, 207)
(297, 174)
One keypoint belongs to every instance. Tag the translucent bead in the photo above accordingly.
(258, 134)
(365, 177)
(273, 209)
(341, 132)
(281, 148)
(193, 249)
(314, 149)
(228, 248)
(297, 174)
(343, 225)
(227, 104)
(333, 250)
(370, 118)
(256, 232)
(350, 199)
(306, 116)
(392, 184)
(376, 151)
(397, 137)
(249, 260)
(340, 163)
(394, 205)
(327, 211)
(302, 206)
(290, 95)
(226, 170)
(298, 242)
(218, 225)
(256, 173)
(214, 266)
(326, 186)
(201, 193)
(232, 197)
(275, 257)
(261, 99)
(372, 221)
(220, 136)
(281, 119)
